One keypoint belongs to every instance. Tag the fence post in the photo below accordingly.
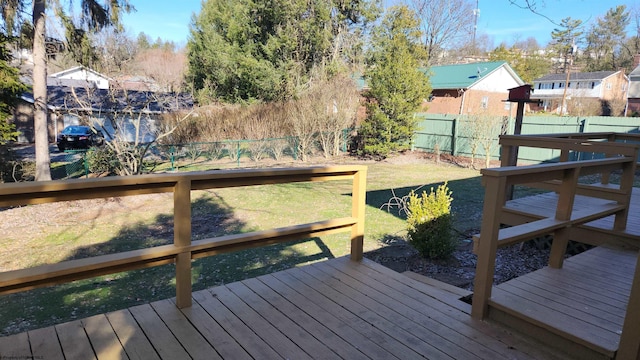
(86, 164)
(182, 239)
(345, 133)
(454, 137)
(172, 151)
(584, 125)
(238, 153)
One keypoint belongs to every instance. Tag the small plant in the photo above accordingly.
(430, 222)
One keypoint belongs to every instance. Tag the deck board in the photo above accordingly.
(252, 343)
(540, 206)
(15, 346)
(74, 341)
(44, 344)
(584, 301)
(101, 336)
(185, 333)
(333, 309)
(131, 337)
(398, 322)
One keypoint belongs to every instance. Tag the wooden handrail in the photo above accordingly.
(498, 181)
(183, 249)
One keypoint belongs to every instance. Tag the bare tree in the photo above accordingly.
(165, 66)
(443, 22)
(483, 131)
(341, 100)
(302, 116)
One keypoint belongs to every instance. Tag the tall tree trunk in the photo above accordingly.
(43, 160)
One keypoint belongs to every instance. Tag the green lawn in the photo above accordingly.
(98, 227)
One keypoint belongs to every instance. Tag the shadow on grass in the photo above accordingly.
(468, 197)
(211, 217)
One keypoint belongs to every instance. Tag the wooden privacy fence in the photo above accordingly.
(183, 249)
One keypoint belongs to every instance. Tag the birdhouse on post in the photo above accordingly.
(520, 93)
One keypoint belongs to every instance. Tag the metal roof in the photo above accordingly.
(463, 76)
(584, 76)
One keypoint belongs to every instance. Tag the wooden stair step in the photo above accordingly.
(586, 336)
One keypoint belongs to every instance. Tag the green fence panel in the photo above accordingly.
(451, 133)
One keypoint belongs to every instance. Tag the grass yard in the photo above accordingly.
(61, 231)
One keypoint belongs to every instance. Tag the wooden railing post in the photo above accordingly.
(358, 205)
(494, 199)
(626, 186)
(566, 197)
(630, 338)
(182, 239)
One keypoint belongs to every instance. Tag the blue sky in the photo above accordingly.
(501, 21)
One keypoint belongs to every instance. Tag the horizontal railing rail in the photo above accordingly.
(183, 250)
(608, 144)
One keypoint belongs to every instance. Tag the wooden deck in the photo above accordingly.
(329, 310)
(584, 302)
(535, 207)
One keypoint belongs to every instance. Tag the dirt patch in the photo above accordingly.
(459, 270)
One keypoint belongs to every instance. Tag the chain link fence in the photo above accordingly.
(72, 164)
(201, 155)
(227, 153)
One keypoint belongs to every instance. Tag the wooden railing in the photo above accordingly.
(604, 142)
(498, 181)
(183, 249)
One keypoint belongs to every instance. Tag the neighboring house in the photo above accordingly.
(599, 91)
(633, 96)
(74, 100)
(78, 75)
(475, 88)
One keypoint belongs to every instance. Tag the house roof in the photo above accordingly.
(102, 100)
(77, 69)
(464, 76)
(584, 76)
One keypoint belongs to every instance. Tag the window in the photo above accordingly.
(608, 86)
(593, 84)
(560, 85)
(485, 102)
(507, 105)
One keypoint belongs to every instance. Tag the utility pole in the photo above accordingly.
(476, 14)
(563, 106)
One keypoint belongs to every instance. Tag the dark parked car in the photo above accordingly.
(79, 137)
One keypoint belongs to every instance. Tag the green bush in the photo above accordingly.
(430, 223)
(102, 160)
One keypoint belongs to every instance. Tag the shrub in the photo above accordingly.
(102, 160)
(430, 222)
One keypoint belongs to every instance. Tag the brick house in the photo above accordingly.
(633, 96)
(473, 88)
(585, 93)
